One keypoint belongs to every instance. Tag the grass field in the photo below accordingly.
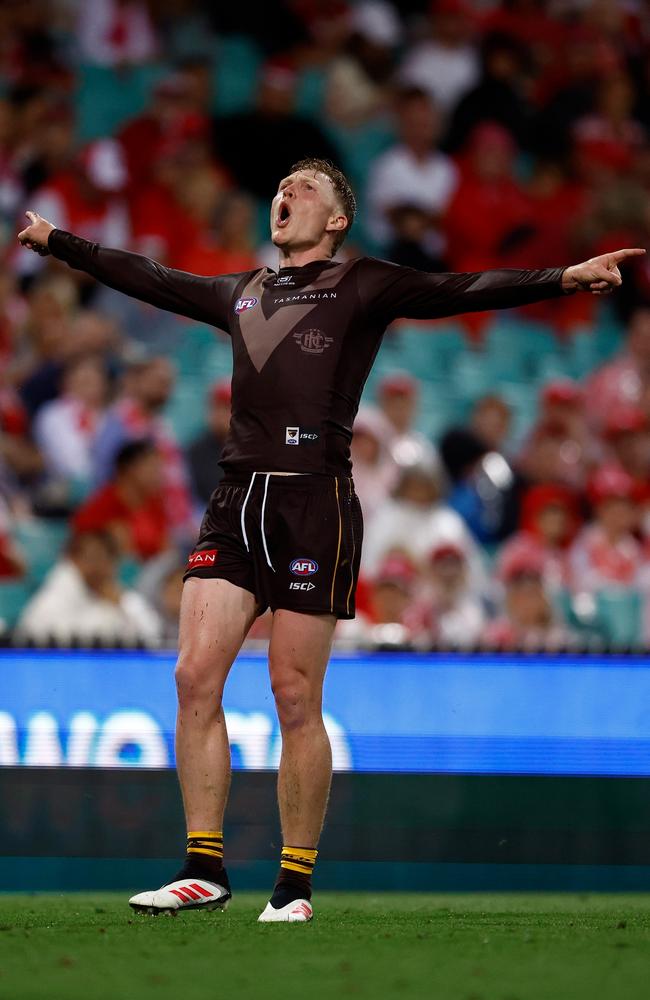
(469, 947)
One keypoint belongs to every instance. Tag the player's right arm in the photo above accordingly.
(191, 295)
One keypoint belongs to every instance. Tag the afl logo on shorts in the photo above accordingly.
(241, 305)
(303, 567)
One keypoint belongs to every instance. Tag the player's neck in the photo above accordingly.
(298, 258)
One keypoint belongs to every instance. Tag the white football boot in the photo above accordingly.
(298, 912)
(184, 894)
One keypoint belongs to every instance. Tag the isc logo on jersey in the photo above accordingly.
(241, 305)
(303, 567)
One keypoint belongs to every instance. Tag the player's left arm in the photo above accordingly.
(402, 292)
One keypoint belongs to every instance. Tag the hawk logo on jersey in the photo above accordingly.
(241, 305)
(303, 567)
(292, 435)
(312, 341)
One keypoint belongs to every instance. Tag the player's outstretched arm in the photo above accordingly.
(395, 292)
(598, 275)
(200, 298)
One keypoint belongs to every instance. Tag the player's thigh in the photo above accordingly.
(215, 618)
(299, 652)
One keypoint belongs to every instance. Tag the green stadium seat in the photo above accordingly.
(470, 375)
(40, 541)
(618, 616)
(235, 76)
(186, 410)
(129, 571)
(311, 93)
(13, 598)
(106, 97)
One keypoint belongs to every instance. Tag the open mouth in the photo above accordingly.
(284, 214)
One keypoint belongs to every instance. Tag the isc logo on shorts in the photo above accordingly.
(302, 585)
(241, 305)
(303, 567)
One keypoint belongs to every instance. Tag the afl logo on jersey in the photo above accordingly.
(303, 567)
(241, 305)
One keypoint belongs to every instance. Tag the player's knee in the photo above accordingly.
(195, 682)
(293, 701)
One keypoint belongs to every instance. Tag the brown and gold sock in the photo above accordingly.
(204, 856)
(294, 879)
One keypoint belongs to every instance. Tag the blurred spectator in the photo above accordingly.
(451, 610)
(627, 433)
(398, 395)
(446, 64)
(131, 505)
(204, 452)
(137, 414)
(12, 565)
(626, 379)
(385, 606)
(65, 428)
(551, 456)
(607, 551)
(177, 114)
(412, 177)
(175, 213)
(51, 149)
(82, 599)
(549, 521)
(566, 88)
(489, 214)
(416, 519)
(528, 620)
(21, 463)
(389, 593)
(491, 421)
(224, 244)
(86, 198)
(606, 140)
(273, 126)
(560, 447)
(358, 77)
(373, 466)
(485, 488)
(161, 585)
(498, 96)
(116, 33)
(55, 332)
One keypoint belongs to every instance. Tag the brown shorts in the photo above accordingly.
(292, 541)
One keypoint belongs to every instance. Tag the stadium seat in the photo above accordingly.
(235, 76)
(129, 572)
(311, 93)
(618, 616)
(186, 410)
(13, 598)
(106, 98)
(40, 541)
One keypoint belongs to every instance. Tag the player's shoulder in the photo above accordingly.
(376, 266)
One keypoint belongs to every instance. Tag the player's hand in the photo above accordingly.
(599, 275)
(36, 235)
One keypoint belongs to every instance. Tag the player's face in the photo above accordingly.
(304, 210)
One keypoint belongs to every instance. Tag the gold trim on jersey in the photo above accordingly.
(338, 547)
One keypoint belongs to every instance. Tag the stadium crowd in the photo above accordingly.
(503, 463)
